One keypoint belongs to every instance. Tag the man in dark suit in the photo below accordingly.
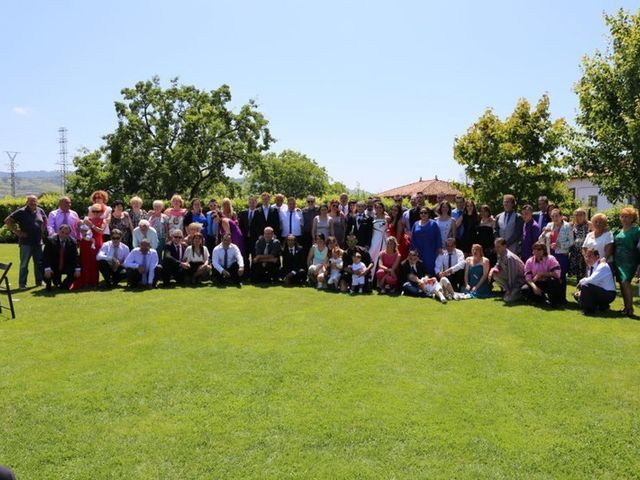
(361, 225)
(412, 270)
(249, 233)
(294, 264)
(172, 264)
(414, 212)
(60, 257)
(347, 261)
(266, 263)
(308, 214)
(266, 216)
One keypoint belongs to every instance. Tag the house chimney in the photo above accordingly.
(420, 179)
(436, 178)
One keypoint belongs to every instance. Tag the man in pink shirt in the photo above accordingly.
(542, 274)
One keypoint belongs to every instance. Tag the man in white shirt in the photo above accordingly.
(450, 264)
(291, 221)
(111, 258)
(145, 230)
(344, 204)
(597, 290)
(141, 264)
(227, 261)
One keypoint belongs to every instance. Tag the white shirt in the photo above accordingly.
(191, 256)
(601, 276)
(297, 220)
(457, 261)
(137, 259)
(107, 252)
(152, 236)
(598, 243)
(233, 256)
(406, 222)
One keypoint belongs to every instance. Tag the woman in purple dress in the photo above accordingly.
(229, 224)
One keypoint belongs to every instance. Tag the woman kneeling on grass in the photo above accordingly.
(476, 273)
(197, 258)
(317, 261)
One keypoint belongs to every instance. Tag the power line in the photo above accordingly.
(12, 170)
(62, 163)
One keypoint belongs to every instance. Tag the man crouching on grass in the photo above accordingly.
(141, 265)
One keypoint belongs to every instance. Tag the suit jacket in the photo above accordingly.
(171, 256)
(51, 255)
(243, 223)
(363, 232)
(260, 222)
(294, 262)
(405, 270)
(308, 214)
(516, 235)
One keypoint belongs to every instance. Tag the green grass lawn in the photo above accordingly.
(292, 383)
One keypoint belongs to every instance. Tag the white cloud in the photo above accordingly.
(24, 111)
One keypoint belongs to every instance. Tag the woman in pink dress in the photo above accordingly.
(387, 269)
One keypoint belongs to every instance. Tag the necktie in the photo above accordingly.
(508, 217)
(61, 260)
(413, 270)
(291, 250)
(450, 259)
(250, 216)
(226, 258)
(179, 252)
(115, 252)
(267, 246)
(290, 220)
(65, 219)
(591, 271)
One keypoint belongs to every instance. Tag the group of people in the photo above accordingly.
(446, 252)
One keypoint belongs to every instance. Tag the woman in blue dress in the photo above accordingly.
(476, 273)
(426, 239)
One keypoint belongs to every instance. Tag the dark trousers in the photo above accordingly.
(57, 281)
(233, 272)
(134, 277)
(111, 277)
(264, 272)
(594, 298)
(413, 290)
(457, 280)
(551, 289)
(172, 270)
(563, 260)
(294, 277)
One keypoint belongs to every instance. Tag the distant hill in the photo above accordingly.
(30, 182)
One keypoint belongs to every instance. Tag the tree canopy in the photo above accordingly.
(523, 154)
(291, 173)
(608, 145)
(178, 139)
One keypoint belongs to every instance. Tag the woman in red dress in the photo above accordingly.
(396, 229)
(90, 242)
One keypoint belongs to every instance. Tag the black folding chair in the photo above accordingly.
(5, 288)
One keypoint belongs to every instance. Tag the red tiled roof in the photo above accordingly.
(428, 187)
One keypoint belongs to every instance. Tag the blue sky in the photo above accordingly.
(373, 91)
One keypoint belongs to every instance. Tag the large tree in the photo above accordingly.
(291, 173)
(178, 139)
(608, 146)
(522, 155)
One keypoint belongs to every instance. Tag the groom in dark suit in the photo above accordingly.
(60, 258)
(266, 216)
